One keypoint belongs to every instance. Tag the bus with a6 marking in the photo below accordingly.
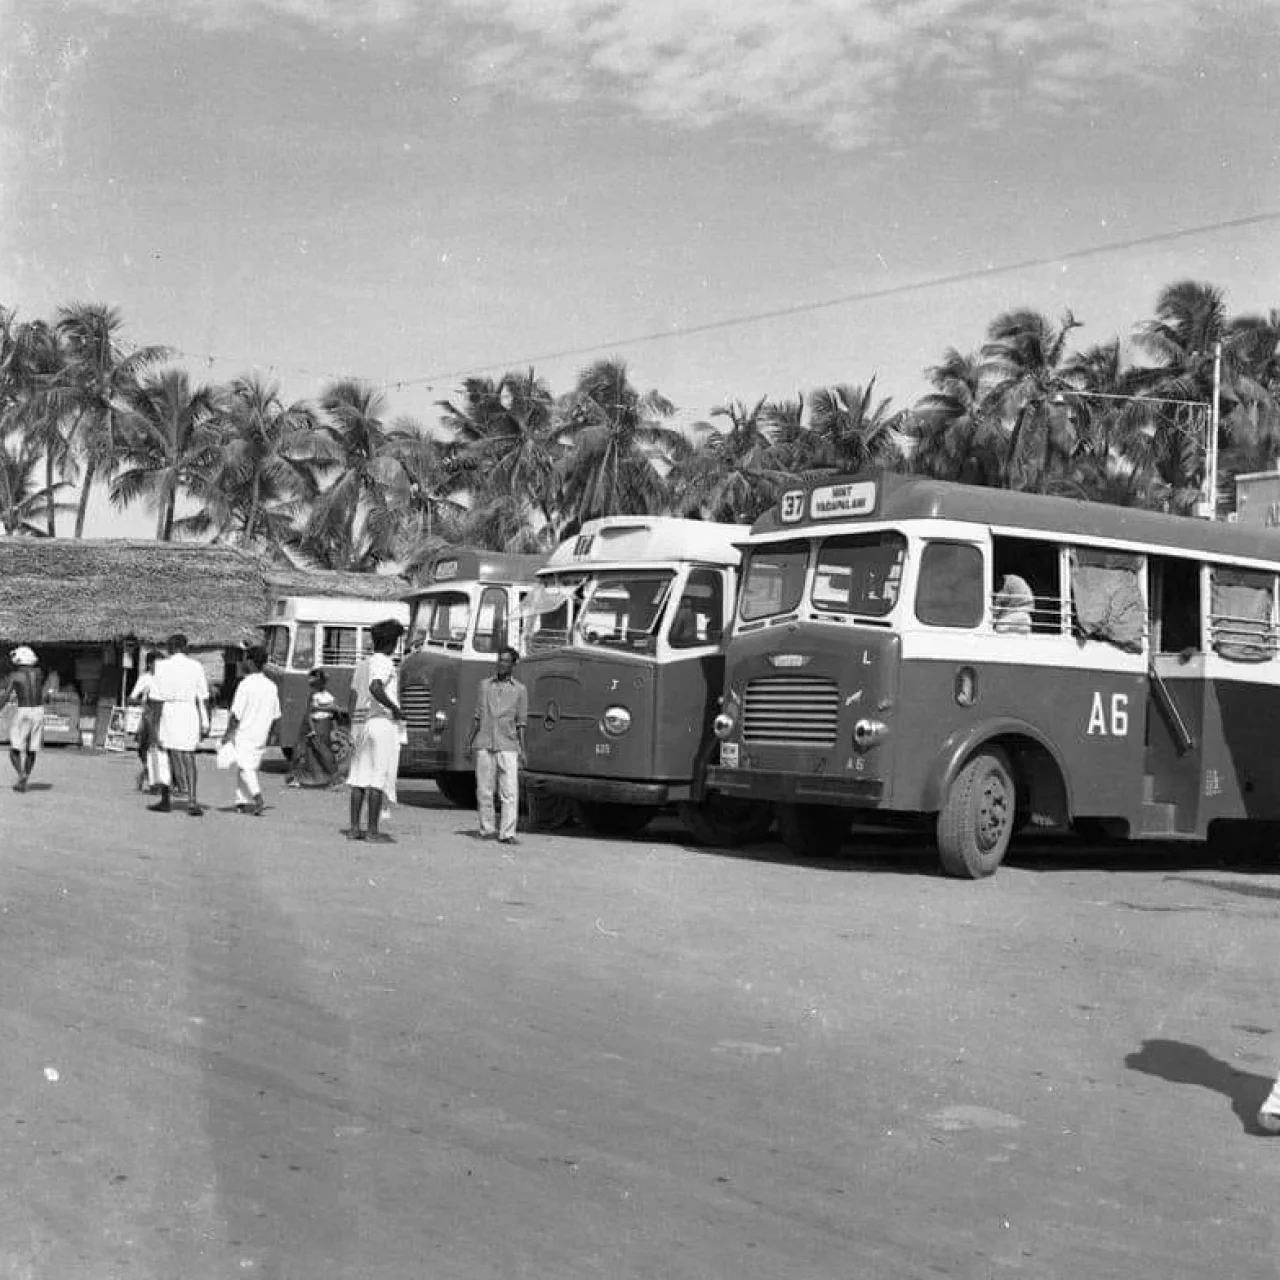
(987, 662)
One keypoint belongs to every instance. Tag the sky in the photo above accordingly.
(740, 198)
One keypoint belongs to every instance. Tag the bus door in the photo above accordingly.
(1175, 711)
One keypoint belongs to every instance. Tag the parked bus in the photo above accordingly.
(331, 632)
(468, 609)
(624, 670)
(989, 662)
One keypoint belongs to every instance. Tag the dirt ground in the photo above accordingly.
(242, 1047)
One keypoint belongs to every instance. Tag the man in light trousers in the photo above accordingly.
(497, 739)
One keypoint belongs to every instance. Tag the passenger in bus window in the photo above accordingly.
(1012, 606)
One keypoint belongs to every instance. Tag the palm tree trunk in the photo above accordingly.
(50, 511)
(83, 505)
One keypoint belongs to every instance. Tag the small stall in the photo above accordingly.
(92, 608)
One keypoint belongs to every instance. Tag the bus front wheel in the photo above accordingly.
(726, 823)
(458, 788)
(976, 823)
(606, 819)
(813, 830)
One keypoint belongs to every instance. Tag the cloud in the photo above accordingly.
(842, 71)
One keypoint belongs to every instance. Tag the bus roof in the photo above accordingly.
(474, 564)
(348, 610)
(884, 495)
(630, 540)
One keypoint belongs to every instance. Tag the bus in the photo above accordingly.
(330, 632)
(624, 667)
(987, 662)
(469, 607)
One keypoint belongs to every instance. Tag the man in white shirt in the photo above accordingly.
(254, 712)
(183, 691)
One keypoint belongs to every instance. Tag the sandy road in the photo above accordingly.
(249, 1048)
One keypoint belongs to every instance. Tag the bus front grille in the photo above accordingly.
(791, 709)
(416, 702)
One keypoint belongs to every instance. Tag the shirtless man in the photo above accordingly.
(25, 686)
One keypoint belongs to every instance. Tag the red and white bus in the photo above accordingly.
(624, 666)
(469, 607)
(990, 662)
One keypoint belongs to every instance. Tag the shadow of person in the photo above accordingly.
(1181, 1063)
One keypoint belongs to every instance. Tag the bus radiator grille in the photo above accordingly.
(416, 701)
(791, 710)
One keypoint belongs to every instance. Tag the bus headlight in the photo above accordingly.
(616, 721)
(867, 733)
(722, 726)
(440, 721)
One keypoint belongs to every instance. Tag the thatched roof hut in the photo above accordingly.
(324, 582)
(67, 591)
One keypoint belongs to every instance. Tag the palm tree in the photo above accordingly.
(337, 536)
(98, 377)
(507, 447)
(271, 460)
(22, 497)
(855, 431)
(730, 475)
(171, 445)
(619, 445)
(1023, 361)
(954, 437)
(30, 363)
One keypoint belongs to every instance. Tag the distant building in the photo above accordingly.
(1258, 499)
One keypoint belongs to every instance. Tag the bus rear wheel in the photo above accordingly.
(608, 819)
(976, 823)
(725, 823)
(458, 788)
(813, 830)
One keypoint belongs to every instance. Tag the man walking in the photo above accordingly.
(25, 686)
(375, 757)
(183, 692)
(497, 739)
(255, 710)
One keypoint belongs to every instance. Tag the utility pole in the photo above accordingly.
(1209, 507)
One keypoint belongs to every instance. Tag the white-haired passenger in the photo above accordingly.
(25, 687)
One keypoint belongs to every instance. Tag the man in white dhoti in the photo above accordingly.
(181, 688)
(255, 710)
(375, 756)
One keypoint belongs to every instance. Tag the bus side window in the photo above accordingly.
(491, 620)
(1039, 565)
(949, 592)
(340, 646)
(1242, 602)
(699, 617)
(1175, 605)
(277, 644)
(304, 647)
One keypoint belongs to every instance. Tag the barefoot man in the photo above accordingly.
(25, 685)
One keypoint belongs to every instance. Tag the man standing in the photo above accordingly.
(497, 739)
(183, 692)
(255, 710)
(25, 685)
(375, 757)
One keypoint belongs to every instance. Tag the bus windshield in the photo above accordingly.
(859, 573)
(445, 620)
(623, 608)
(773, 580)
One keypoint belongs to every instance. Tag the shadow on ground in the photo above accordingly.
(1182, 1063)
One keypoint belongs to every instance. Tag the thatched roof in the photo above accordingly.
(87, 591)
(325, 582)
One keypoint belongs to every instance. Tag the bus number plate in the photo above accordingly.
(729, 755)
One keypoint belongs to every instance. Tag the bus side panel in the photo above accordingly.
(1173, 769)
(1241, 773)
(687, 697)
(1092, 719)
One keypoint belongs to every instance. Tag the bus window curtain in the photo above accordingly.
(1106, 595)
(1240, 615)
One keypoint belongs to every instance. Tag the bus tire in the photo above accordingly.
(813, 830)
(976, 823)
(458, 788)
(724, 822)
(543, 811)
(608, 819)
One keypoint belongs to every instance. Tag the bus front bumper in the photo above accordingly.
(606, 790)
(796, 788)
